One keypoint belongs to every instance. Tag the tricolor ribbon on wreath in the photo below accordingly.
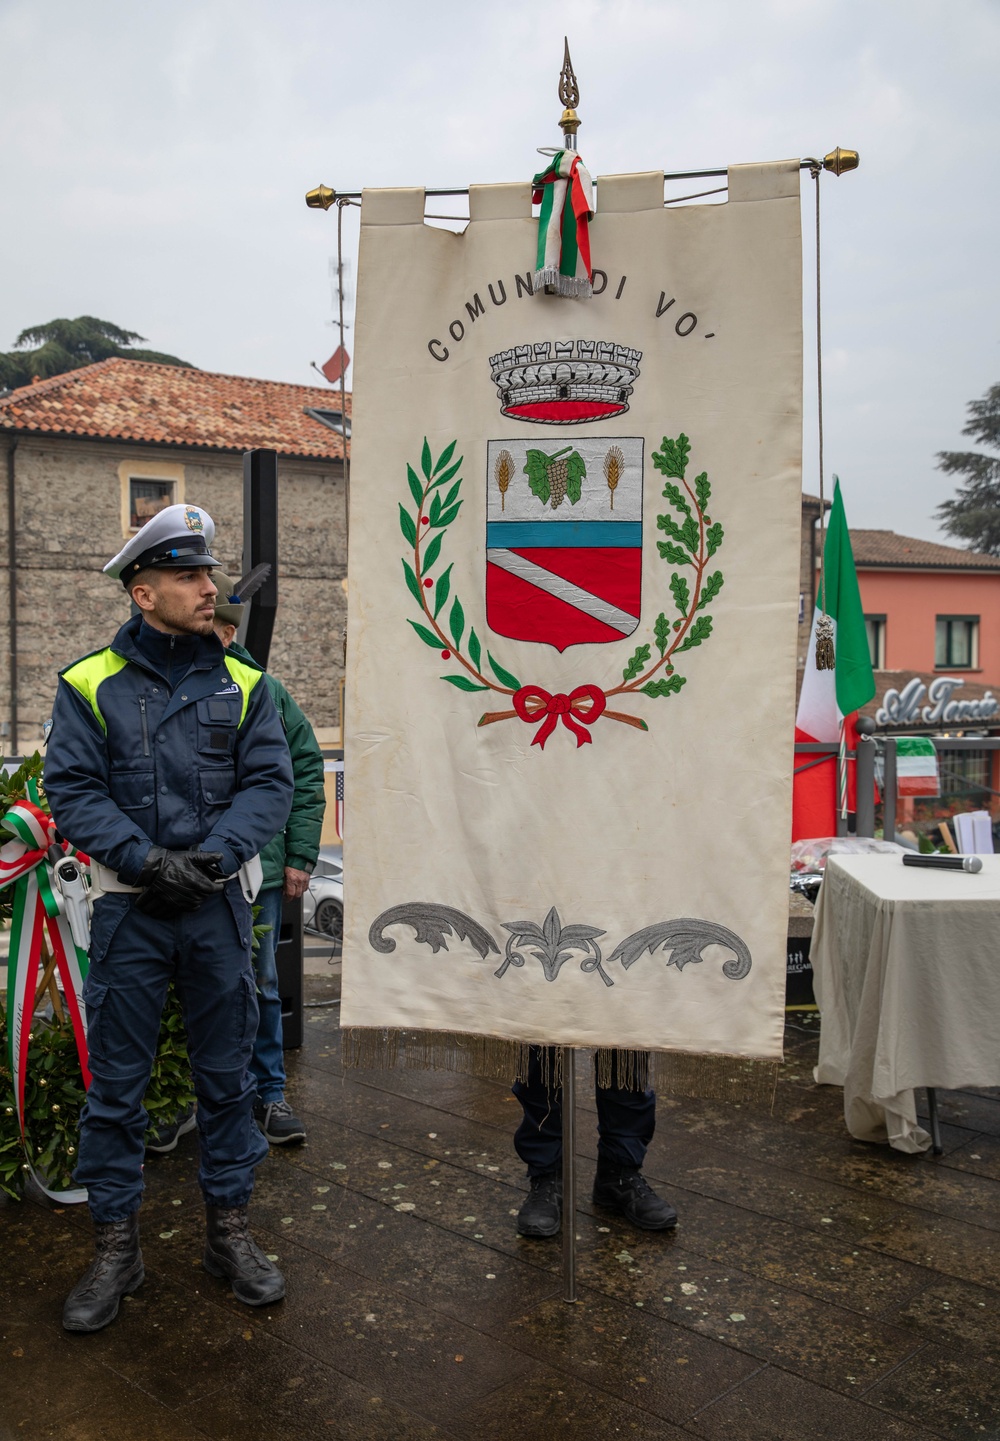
(38, 909)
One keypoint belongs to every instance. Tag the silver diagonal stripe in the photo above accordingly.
(562, 589)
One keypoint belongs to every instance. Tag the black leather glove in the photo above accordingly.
(178, 881)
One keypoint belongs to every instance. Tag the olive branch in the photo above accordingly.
(435, 511)
(692, 540)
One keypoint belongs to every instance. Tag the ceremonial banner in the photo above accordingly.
(574, 581)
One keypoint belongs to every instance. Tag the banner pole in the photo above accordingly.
(569, 1171)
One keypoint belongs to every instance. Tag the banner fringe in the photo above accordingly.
(571, 285)
(740, 1079)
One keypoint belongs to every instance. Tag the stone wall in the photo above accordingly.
(69, 523)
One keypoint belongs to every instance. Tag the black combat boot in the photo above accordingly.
(231, 1251)
(629, 1192)
(116, 1272)
(541, 1213)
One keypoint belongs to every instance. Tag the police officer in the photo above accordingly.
(167, 765)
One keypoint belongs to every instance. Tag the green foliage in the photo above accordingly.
(577, 468)
(445, 456)
(675, 554)
(701, 630)
(407, 526)
(687, 533)
(464, 682)
(427, 636)
(635, 665)
(675, 495)
(662, 632)
(412, 584)
(54, 1095)
(59, 346)
(680, 591)
(537, 471)
(503, 676)
(672, 457)
(713, 538)
(442, 591)
(432, 552)
(668, 685)
(452, 470)
(702, 490)
(710, 588)
(456, 623)
(425, 460)
(416, 489)
(475, 649)
(973, 516)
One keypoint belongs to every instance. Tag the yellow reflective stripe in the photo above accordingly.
(246, 677)
(87, 676)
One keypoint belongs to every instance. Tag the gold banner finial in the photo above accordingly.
(839, 162)
(320, 198)
(569, 94)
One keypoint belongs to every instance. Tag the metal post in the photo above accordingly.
(260, 543)
(889, 791)
(864, 776)
(569, 1170)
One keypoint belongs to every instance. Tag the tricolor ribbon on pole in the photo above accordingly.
(565, 193)
(37, 911)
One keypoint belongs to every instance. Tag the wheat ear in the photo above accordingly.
(614, 464)
(503, 470)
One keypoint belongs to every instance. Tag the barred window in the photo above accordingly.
(146, 497)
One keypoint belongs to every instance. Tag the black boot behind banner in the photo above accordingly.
(230, 1251)
(116, 1272)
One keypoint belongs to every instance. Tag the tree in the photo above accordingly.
(974, 514)
(61, 345)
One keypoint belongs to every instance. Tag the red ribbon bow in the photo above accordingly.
(585, 704)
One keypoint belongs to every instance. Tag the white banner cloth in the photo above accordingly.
(572, 623)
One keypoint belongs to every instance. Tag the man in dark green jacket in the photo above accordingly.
(287, 861)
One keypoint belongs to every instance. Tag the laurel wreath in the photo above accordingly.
(691, 540)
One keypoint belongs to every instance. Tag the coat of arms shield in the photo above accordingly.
(564, 539)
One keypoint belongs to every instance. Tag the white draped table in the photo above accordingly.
(906, 971)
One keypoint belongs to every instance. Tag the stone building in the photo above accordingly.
(90, 455)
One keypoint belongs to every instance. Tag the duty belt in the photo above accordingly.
(104, 881)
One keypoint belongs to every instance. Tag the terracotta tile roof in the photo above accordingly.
(884, 548)
(134, 400)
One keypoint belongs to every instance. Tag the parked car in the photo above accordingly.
(323, 902)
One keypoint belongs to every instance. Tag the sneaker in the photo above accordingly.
(278, 1122)
(541, 1214)
(164, 1138)
(630, 1193)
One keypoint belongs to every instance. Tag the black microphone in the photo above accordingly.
(944, 863)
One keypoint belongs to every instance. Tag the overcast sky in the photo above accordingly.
(155, 158)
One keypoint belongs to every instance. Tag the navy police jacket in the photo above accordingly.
(167, 740)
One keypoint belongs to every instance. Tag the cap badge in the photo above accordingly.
(192, 519)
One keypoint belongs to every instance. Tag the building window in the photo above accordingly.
(332, 419)
(146, 497)
(956, 642)
(875, 626)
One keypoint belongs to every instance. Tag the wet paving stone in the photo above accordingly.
(281, 1395)
(772, 1323)
(815, 1289)
(774, 1406)
(941, 1390)
(955, 1313)
(641, 1359)
(560, 1406)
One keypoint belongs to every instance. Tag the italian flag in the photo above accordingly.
(830, 699)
